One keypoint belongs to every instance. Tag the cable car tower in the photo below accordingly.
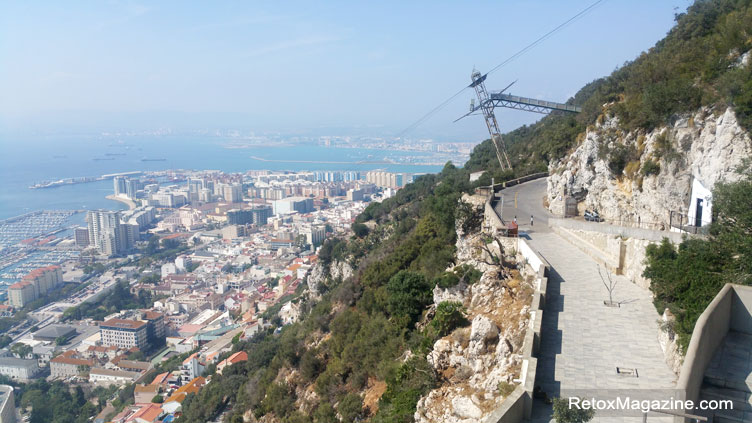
(487, 102)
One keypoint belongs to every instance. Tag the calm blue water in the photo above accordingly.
(25, 161)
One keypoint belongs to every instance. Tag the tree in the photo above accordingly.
(359, 229)
(610, 286)
(350, 407)
(569, 411)
(157, 399)
(409, 293)
(21, 350)
(5, 340)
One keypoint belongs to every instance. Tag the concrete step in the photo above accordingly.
(730, 416)
(727, 381)
(742, 401)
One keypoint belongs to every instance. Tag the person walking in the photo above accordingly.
(531, 220)
(515, 220)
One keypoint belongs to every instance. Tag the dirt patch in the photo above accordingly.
(374, 391)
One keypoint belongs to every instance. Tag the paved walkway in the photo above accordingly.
(582, 340)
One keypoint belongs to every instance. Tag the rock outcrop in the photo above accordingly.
(707, 146)
(320, 273)
(474, 361)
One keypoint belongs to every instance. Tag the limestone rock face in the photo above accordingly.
(473, 361)
(482, 332)
(319, 273)
(464, 408)
(316, 278)
(708, 146)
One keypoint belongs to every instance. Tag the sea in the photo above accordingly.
(25, 161)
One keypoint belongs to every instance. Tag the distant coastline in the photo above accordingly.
(128, 202)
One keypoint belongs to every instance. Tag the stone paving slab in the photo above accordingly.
(583, 341)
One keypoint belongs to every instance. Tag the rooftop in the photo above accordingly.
(54, 332)
(124, 324)
(17, 362)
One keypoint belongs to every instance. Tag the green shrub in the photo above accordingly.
(449, 316)
(563, 413)
(650, 167)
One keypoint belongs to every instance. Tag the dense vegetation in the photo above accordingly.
(400, 253)
(696, 64)
(120, 298)
(686, 278)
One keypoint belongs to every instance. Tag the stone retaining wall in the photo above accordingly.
(518, 405)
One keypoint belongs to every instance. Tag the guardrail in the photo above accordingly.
(491, 216)
(518, 406)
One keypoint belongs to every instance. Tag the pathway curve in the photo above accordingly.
(582, 340)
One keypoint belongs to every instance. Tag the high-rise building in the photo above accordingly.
(34, 285)
(315, 235)
(261, 215)
(81, 236)
(119, 182)
(293, 204)
(388, 179)
(239, 217)
(205, 195)
(106, 232)
(131, 187)
(124, 333)
(232, 193)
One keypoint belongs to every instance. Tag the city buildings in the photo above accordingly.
(293, 204)
(261, 215)
(240, 217)
(126, 187)
(124, 333)
(107, 377)
(119, 182)
(108, 234)
(315, 235)
(65, 365)
(388, 179)
(18, 368)
(34, 285)
(233, 193)
(81, 236)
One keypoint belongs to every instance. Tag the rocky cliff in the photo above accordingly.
(477, 366)
(640, 177)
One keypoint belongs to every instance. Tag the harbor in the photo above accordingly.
(34, 240)
(81, 180)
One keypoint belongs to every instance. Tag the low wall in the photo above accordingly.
(741, 309)
(491, 219)
(710, 330)
(625, 231)
(518, 406)
(619, 253)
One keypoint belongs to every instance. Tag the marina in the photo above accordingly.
(34, 240)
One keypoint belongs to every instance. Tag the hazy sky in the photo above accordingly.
(300, 66)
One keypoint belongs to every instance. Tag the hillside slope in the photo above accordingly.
(370, 319)
(699, 63)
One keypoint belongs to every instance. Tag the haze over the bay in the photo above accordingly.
(302, 67)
